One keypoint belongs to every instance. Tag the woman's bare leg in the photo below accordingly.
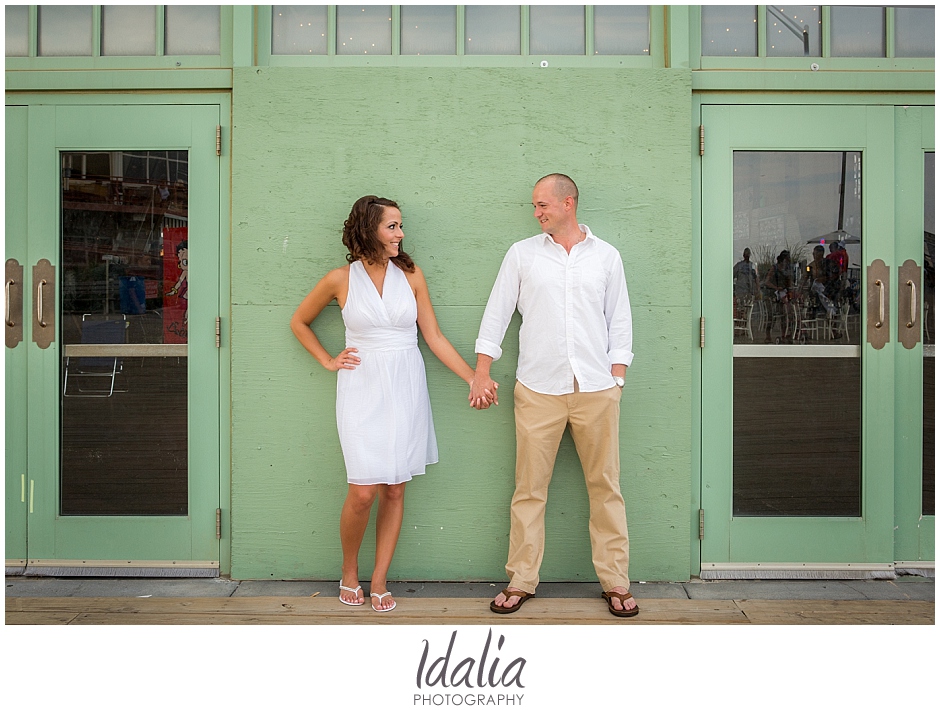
(352, 526)
(387, 527)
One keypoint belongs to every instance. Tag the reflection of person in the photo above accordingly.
(821, 273)
(181, 287)
(383, 412)
(745, 277)
(779, 281)
(575, 344)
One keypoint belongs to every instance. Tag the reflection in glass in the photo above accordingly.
(556, 29)
(930, 333)
(298, 29)
(857, 31)
(729, 30)
(193, 29)
(794, 31)
(124, 321)
(428, 29)
(363, 29)
(128, 30)
(914, 31)
(622, 29)
(795, 270)
(17, 30)
(492, 29)
(65, 30)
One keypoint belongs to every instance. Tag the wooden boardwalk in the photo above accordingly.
(453, 611)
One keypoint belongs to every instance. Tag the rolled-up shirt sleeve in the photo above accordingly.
(500, 306)
(619, 317)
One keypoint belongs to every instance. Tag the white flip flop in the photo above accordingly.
(380, 597)
(354, 591)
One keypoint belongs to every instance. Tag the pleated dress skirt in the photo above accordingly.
(383, 411)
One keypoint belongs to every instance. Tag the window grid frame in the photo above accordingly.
(825, 61)
(655, 58)
(97, 60)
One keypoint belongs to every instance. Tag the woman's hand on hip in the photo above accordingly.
(346, 360)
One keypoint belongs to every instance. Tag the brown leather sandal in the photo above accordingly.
(523, 597)
(622, 597)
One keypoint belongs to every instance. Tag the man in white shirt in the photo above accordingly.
(575, 344)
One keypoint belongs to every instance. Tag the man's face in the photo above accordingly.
(747, 255)
(550, 210)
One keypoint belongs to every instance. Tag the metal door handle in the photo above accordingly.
(913, 311)
(39, 309)
(881, 303)
(10, 322)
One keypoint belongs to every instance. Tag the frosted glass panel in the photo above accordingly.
(794, 31)
(65, 30)
(858, 31)
(298, 29)
(192, 29)
(914, 32)
(556, 29)
(17, 19)
(428, 29)
(128, 30)
(622, 29)
(363, 29)
(729, 30)
(492, 29)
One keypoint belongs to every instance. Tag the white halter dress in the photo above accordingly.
(383, 412)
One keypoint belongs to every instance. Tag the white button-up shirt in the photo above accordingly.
(576, 319)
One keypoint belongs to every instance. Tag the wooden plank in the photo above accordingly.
(765, 611)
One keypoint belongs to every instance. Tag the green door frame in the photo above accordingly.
(63, 542)
(727, 541)
(914, 533)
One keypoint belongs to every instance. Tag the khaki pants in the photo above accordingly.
(594, 418)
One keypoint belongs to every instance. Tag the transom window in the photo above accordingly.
(817, 31)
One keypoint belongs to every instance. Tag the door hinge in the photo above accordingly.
(218, 523)
(701, 332)
(701, 524)
(218, 332)
(701, 140)
(218, 140)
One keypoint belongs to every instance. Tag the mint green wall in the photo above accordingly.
(460, 150)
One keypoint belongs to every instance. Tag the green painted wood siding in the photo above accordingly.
(460, 149)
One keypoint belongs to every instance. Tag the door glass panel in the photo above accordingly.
(797, 329)
(729, 30)
(65, 30)
(123, 299)
(492, 29)
(914, 31)
(128, 30)
(930, 334)
(363, 29)
(298, 29)
(858, 31)
(794, 31)
(622, 29)
(556, 29)
(428, 29)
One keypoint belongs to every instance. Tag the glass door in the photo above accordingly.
(123, 370)
(797, 240)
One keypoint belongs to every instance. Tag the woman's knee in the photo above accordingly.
(361, 497)
(392, 493)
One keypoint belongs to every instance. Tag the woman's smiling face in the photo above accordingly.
(389, 232)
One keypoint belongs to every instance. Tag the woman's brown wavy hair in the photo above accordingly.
(359, 232)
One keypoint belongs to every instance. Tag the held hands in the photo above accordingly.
(483, 392)
(346, 360)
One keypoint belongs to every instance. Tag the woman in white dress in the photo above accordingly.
(383, 413)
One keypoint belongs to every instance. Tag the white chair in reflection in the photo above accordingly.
(744, 310)
(109, 331)
(837, 325)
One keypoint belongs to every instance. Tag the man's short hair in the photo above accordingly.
(562, 185)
